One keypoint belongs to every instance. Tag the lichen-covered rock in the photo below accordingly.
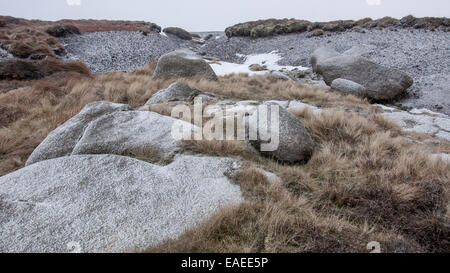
(294, 142)
(183, 63)
(109, 203)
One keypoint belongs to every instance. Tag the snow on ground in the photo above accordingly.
(270, 60)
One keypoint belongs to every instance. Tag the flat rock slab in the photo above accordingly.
(109, 203)
(420, 121)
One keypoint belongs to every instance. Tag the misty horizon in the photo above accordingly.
(203, 15)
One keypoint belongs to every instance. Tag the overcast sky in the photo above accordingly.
(202, 15)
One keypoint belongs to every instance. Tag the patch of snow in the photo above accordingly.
(443, 135)
(282, 103)
(426, 111)
(270, 60)
(385, 108)
(443, 156)
(298, 105)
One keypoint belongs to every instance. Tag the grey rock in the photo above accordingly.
(176, 92)
(295, 142)
(183, 64)
(109, 203)
(179, 32)
(61, 141)
(129, 133)
(347, 86)
(108, 128)
(179, 92)
(321, 54)
(381, 83)
(279, 75)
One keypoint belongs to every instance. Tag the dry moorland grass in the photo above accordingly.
(28, 42)
(364, 183)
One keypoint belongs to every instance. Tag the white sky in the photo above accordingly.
(203, 15)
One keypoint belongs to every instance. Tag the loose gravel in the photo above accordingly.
(113, 51)
(423, 54)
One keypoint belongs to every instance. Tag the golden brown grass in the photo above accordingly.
(364, 182)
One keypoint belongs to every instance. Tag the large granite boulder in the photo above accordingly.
(61, 141)
(109, 203)
(183, 63)
(294, 142)
(109, 128)
(179, 32)
(129, 132)
(381, 83)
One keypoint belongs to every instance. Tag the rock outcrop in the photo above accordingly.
(270, 27)
(62, 30)
(109, 203)
(183, 63)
